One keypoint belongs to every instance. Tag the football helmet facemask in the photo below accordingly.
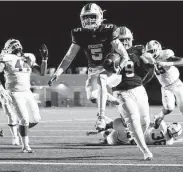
(153, 47)
(126, 37)
(91, 16)
(174, 130)
(13, 46)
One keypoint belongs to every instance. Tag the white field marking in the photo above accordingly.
(89, 164)
(73, 121)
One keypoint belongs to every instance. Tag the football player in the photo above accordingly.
(17, 67)
(96, 39)
(117, 133)
(134, 105)
(168, 76)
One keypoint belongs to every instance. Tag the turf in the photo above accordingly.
(60, 144)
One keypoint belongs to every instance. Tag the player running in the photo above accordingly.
(17, 67)
(96, 39)
(134, 105)
(168, 76)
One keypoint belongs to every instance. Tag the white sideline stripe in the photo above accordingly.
(74, 120)
(89, 164)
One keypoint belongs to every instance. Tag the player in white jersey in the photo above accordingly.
(116, 133)
(17, 67)
(168, 76)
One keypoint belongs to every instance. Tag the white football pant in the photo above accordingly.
(172, 94)
(134, 108)
(26, 107)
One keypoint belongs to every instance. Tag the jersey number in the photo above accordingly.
(96, 54)
(159, 139)
(129, 69)
(19, 66)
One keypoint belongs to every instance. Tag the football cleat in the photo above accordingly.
(27, 149)
(15, 141)
(148, 156)
(1, 133)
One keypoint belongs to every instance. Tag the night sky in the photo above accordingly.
(35, 23)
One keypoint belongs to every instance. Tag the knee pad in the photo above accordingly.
(24, 122)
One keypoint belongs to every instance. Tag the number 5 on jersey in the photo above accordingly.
(96, 53)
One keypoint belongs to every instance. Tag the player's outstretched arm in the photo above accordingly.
(172, 61)
(65, 63)
(119, 48)
(147, 78)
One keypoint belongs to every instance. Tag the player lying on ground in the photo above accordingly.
(117, 133)
(167, 74)
(17, 67)
(97, 39)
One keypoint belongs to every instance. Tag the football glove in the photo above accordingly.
(44, 52)
(53, 79)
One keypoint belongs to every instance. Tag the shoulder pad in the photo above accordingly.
(30, 56)
(77, 29)
(168, 53)
(7, 57)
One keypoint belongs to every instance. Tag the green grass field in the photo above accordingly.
(61, 145)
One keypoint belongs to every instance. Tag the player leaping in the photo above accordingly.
(96, 39)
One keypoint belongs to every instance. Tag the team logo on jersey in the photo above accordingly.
(94, 46)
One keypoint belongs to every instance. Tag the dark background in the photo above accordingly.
(37, 22)
(50, 22)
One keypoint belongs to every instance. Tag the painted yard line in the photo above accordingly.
(74, 121)
(88, 164)
(125, 146)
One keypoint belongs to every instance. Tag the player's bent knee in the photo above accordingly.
(24, 122)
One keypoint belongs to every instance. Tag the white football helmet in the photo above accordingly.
(174, 130)
(126, 37)
(91, 16)
(153, 47)
(11, 45)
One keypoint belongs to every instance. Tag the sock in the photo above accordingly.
(13, 130)
(24, 135)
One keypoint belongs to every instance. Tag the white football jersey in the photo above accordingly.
(17, 71)
(155, 136)
(121, 135)
(166, 75)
